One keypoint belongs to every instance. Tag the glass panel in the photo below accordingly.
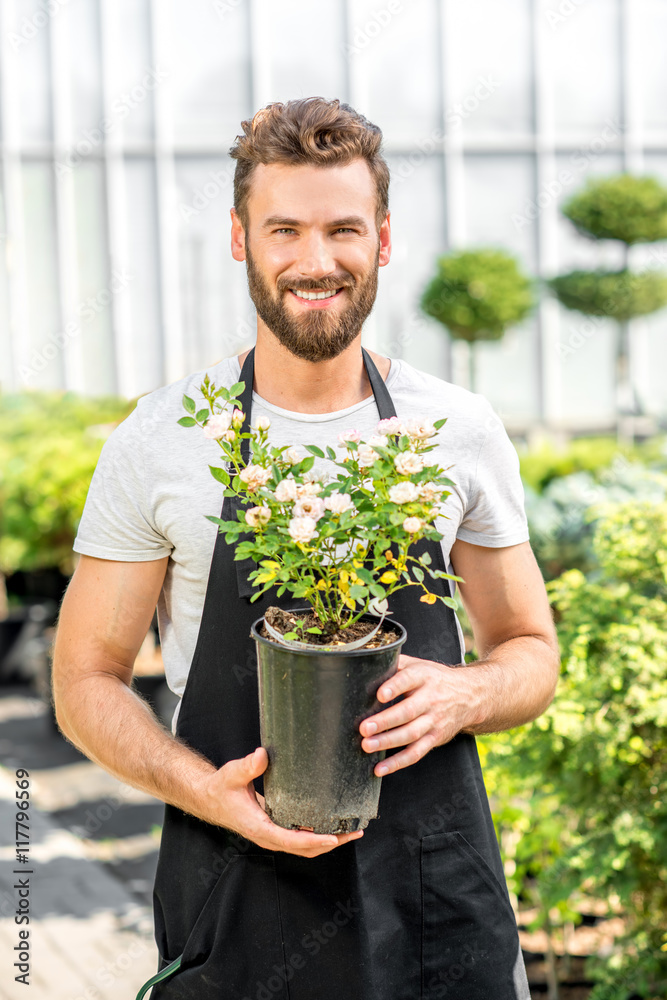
(498, 189)
(30, 39)
(396, 48)
(218, 317)
(585, 49)
(490, 67)
(417, 216)
(96, 287)
(45, 358)
(6, 352)
(649, 64)
(319, 69)
(210, 71)
(588, 374)
(132, 61)
(144, 286)
(84, 67)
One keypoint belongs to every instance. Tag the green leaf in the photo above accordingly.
(187, 422)
(237, 389)
(202, 414)
(418, 573)
(425, 560)
(331, 453)
(219, 474)
(189, 404)
(290, 635)
(377, 590)
(306, 464)
(315, 631)
(314, 450)
(439, 423)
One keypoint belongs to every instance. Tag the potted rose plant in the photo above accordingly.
(337, 540)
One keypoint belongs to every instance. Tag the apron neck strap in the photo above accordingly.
(383, 400)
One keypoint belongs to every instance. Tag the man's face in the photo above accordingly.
(312, 230)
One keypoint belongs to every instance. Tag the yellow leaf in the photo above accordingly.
(389, 555)
(265, 577)
(344, 576)
(349, 603)
(322, 585)
(388, 577)
(343, 587)
(428, 598)
(357, 563)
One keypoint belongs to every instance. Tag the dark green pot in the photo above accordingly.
(311, 705)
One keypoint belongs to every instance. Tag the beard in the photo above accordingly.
(319, 334)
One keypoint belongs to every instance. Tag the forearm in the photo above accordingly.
(513, 685)
(117, 729)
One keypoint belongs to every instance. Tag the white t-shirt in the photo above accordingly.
(152, 487)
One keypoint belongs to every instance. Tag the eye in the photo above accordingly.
(344, 229)
(285, 229)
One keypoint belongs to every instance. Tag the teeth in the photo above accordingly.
(314, 295)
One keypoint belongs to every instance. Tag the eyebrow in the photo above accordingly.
(350, 220)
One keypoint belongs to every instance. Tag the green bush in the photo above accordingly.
(49, 445)
(477, 294)
(588, 779)
(620, 295)
(623, 207)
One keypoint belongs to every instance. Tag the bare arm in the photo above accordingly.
(104, 618)
(513, 681)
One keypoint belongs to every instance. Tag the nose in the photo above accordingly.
(315, 259)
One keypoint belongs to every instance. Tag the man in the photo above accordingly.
(416, 906)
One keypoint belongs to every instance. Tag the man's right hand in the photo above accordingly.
(229, 799)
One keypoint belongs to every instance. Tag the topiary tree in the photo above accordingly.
(631, 210)
(477, 295)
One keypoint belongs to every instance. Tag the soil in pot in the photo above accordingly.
(289, 621)
(311, 706)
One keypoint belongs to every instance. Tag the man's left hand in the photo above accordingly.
(439, 701)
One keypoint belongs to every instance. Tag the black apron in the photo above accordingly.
(415, 910)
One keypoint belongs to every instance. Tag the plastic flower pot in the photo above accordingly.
(311, 706)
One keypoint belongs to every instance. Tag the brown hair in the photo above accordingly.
(309, 130)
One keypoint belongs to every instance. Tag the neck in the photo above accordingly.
(311, 386)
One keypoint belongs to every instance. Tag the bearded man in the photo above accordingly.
(416, 906)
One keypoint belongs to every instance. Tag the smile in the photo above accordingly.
(311, 296)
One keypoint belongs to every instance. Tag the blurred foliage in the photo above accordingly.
(565, 489)
(580, 795)
(542, 464)
(623, 207)
(477, 294)
(619, 294)
(49, 445)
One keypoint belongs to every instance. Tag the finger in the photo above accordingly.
(276, 838)
(398, 715)
(411, 676)
(406, 757)
(400, 736)
(404, 661)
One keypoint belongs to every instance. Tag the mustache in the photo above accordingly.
(328, 284)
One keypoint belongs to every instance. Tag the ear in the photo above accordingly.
(238, 236)
(385, 242)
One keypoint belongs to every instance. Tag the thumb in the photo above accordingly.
(256, 763)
